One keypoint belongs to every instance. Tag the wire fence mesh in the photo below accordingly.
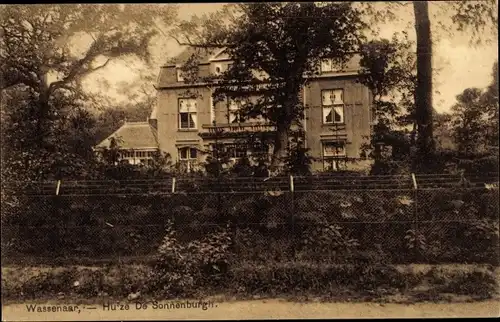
(335, 220)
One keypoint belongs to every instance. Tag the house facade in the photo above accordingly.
(337, 118)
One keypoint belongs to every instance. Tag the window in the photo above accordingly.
(332, 102)
(187, 153)
(259, 148)
(187, 113)
(236, 151)
(180, 77)
(235, 114)
(333, 149)
(333, 153)
(218, 69)
(128, 154)
(328, 66)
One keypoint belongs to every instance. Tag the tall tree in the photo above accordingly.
(478, 18)
(490, 101)
(475, 118)
(48, 50)
(388, 70)
(469, 122)
(273, 46)
(423, 91)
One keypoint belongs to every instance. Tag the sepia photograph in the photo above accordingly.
(267, 160)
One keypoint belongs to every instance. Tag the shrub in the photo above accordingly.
(182, 268)
(477, 283)
(327, 241)
(46, 283)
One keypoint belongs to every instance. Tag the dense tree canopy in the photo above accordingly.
(475, 118)
(46, 51)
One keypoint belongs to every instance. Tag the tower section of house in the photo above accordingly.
(338, 116)
(190, 123)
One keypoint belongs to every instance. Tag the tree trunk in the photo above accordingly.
(281, 141)
(423, 93)
(280, 147)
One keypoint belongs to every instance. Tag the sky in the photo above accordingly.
(458, 64)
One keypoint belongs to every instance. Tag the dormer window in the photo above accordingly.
(218, 69)
(327, 66)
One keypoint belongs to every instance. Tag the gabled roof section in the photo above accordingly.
(133, 135)
(220, 54)
(204, 55)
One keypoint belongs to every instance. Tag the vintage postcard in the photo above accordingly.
(249, 160)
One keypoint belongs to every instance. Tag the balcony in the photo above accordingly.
(234, 129)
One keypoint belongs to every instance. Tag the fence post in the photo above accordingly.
(415, 217)
(292, 214)
(173, 185)
(414, 181)
(57, 187)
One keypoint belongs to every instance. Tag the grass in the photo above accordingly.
(293, 280)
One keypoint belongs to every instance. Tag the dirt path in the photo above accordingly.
(263, 309)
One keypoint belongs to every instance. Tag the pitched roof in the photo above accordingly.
(204, 55)
(133, 135)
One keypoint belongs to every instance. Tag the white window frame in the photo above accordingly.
(332, 160)
(333, 154)
(192, 113)
(334, 104)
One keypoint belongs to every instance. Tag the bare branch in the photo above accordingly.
(194, 45)
(91, 70)
(76, 68)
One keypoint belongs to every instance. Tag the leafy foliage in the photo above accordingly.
(469, 122)
(42, 74)
(388, 70)
(273, 46)
(180, 267)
